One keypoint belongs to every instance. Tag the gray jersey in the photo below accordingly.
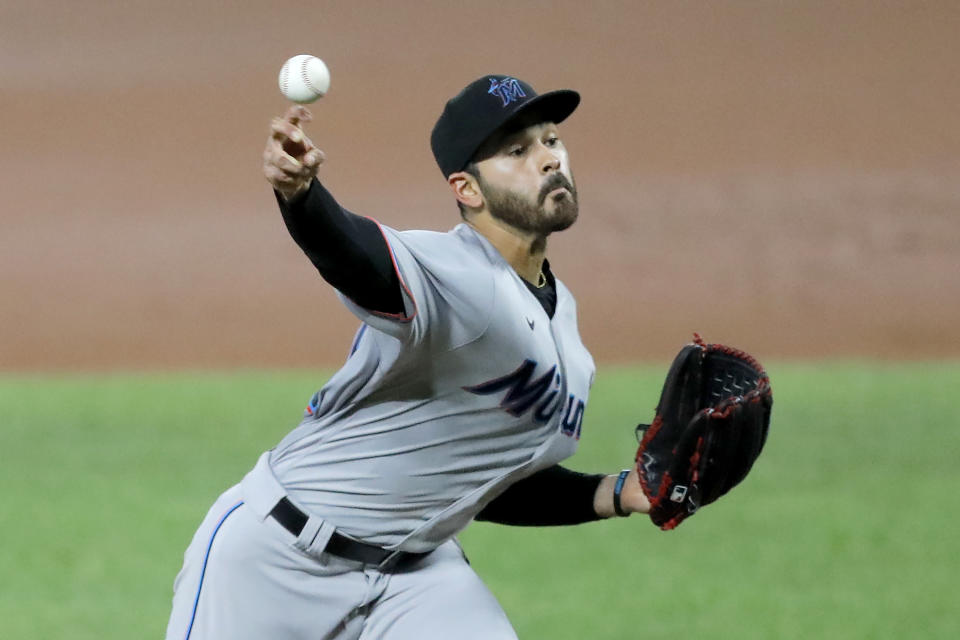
(436, 412)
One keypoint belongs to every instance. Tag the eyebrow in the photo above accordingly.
(521, 134)
(502, 139)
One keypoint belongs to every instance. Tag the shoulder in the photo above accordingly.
(459, 244)
(453, 278)
(459, 256)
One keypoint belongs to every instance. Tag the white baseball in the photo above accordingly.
(304, 79)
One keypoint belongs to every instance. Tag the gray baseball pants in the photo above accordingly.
(246, 577)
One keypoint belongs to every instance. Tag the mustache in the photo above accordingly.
(556, 181)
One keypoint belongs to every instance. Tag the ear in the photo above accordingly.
(465, 189)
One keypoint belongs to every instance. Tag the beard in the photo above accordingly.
(534, 216)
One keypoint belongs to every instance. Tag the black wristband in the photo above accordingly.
(617, 488)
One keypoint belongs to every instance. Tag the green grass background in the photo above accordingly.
(845, 529)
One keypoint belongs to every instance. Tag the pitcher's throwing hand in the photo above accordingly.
(290, 159)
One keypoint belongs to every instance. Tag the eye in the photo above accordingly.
(552, 141)
(516, 151)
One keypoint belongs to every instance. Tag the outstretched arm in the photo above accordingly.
(348, 250)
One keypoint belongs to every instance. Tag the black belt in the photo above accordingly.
(294, 520)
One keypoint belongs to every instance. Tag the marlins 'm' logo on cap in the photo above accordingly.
(507, 89)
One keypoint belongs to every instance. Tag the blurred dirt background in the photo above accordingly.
(781, 176)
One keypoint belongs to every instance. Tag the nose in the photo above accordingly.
(549, 160)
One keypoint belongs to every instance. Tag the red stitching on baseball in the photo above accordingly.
(306, 80)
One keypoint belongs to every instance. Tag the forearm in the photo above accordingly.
(559, 496)
(348, 250)
(553, 496)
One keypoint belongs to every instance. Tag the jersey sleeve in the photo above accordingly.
(447, 292)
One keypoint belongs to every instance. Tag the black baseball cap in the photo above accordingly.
(483, 107)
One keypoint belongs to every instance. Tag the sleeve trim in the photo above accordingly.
(400, 317)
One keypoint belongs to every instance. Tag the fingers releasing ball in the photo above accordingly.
(304, 79)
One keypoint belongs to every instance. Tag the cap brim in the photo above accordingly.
(553, 106)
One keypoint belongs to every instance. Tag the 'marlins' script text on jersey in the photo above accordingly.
(522, 395)
(438, 411)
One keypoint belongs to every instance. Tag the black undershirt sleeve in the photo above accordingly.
(553, 496)
(348, 250)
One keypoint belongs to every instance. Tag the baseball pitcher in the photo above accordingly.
(465, 388)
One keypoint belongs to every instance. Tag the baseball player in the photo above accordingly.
(465, 387)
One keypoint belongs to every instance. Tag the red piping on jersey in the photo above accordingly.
(403, 285)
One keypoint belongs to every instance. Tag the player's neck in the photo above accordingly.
(523, 251)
